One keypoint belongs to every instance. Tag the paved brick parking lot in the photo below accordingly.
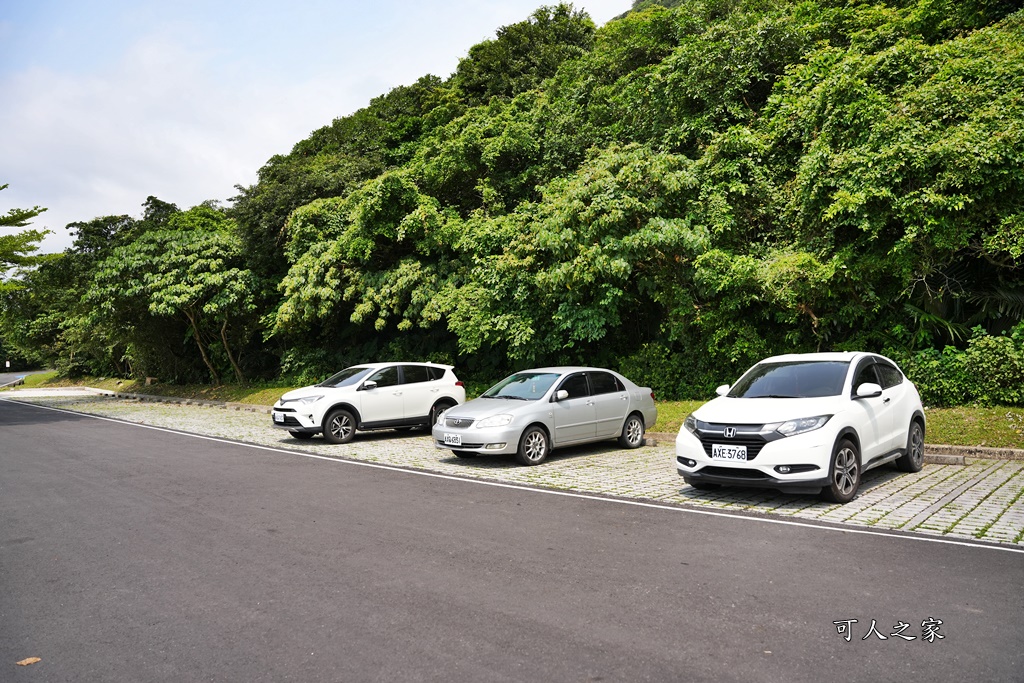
(981, 500)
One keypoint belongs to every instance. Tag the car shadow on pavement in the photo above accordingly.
(507, 460)
(742, 497)
(381, 435)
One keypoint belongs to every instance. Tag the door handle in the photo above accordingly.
(886, 400)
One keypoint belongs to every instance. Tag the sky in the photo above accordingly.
(104, 103)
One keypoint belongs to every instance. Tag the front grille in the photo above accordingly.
(460, 446)
(289, 421)
(285, 410)
(748, 435)
(458, 422)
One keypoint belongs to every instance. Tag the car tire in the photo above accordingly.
(913, 459)
(339, 426)
(464, 454)
(301, 436)
(632, 432)
(435, 410)
(843, 473)
(533, 446)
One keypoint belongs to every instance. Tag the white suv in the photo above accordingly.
(370, 396)
(805, 423)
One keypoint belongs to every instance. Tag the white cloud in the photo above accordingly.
(176, 113)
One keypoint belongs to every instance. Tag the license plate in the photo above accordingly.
(453, 439)
(720, 452)
(278, 417)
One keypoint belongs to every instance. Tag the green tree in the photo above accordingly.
(17, 250)
(524, 54)
(191, 270)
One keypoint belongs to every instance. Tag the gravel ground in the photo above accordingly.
(981, 500)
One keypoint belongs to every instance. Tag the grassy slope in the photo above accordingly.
(962, 426)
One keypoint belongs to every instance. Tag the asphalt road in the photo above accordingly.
(133, 554)
(6, 377)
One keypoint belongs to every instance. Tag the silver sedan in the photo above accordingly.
(531, 412)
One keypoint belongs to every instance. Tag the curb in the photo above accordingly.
(223, 405)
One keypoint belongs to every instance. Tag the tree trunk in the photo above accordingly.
(202, 350)
(227, 348)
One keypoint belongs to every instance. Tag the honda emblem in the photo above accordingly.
(730, 432)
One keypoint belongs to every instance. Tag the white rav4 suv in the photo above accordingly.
(370, 396)
(805, 423)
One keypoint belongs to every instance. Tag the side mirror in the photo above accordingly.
(561, 395)
(868, 390)
(368, 385)
(722, 390)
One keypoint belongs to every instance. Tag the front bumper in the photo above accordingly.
(294, 421)
(496, 440)
(807, 457)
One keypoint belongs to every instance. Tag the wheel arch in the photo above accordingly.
(447, 401)
(547, 430)
(918, 417)
(639, 413)
(344, 406)
(851, 434)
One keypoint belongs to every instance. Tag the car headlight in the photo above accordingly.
(494, 421)
(800, 425)
(690, 424)
(440, 417)
(306, 400)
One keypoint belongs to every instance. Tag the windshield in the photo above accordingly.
(796, 379)
(524, 386)
(346, 378)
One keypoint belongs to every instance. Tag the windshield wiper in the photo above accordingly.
(772, 396)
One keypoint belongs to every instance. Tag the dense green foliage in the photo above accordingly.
(693, 186)
(17, 252)
(987, 372)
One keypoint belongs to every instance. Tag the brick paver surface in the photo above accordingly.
(982, 500)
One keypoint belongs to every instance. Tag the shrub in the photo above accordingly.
(988, 372)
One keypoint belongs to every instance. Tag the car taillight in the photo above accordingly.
(460, 384)
(652, 396)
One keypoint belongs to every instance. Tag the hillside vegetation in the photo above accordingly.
(676, 195)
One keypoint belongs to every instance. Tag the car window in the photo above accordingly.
(385, 377)
(889, 374)
(346, 378)
(413, 374)
(794, 379)
(434, 373)
(605, 383)
(576, 385)
(525, 386)
(866, 373)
